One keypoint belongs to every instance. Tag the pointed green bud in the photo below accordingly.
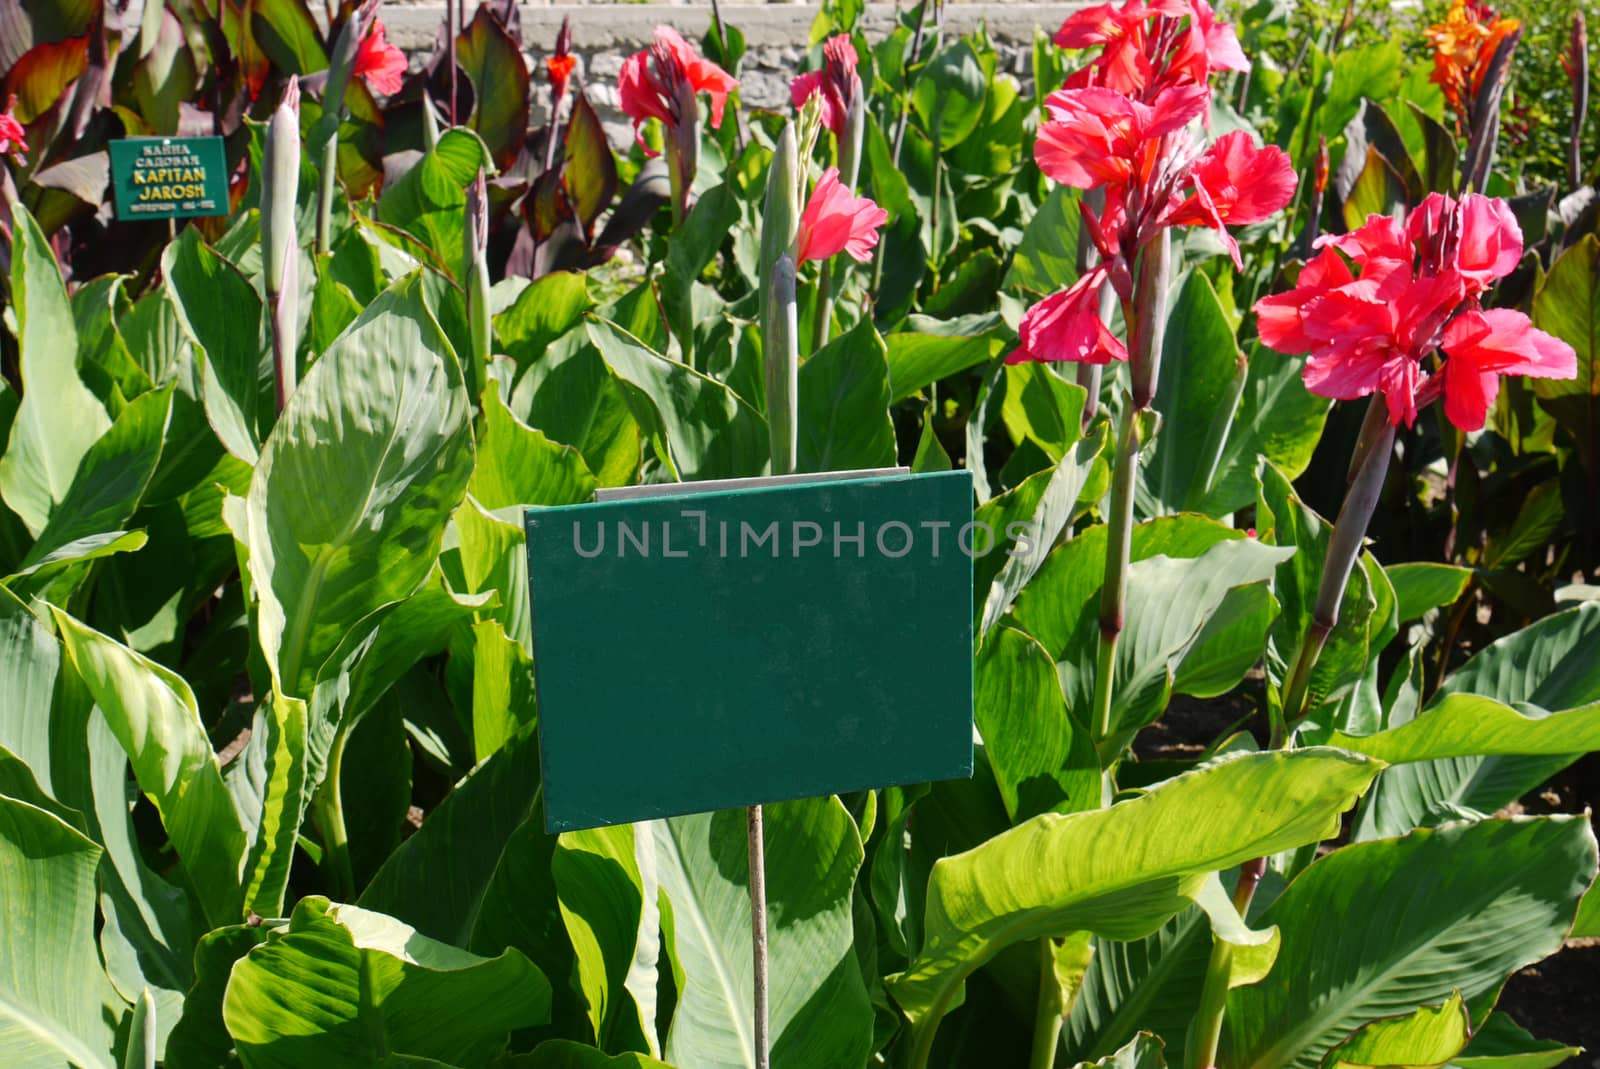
(855, 128)
(280, 253)
(780, 217)
(780, 344)
(476, 283)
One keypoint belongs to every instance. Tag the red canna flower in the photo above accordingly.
(559, 70)
(1236, 183)
(837, 83)
(656, 82)
(835, 222)
(1099, 137)
(1414, 297)
(12, 136)
(380, 64)
(1067, 326)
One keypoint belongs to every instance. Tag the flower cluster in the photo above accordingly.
(1464, 45)
(837, 83)
(1125, 125)
(1414, 295)
(661, 82)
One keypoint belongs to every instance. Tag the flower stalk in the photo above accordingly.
(849, 176)
(280, 175)
(1576, 64)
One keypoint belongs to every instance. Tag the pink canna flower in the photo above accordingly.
(1414, 297)
(1482, 346)
(13, 139)
(656, 83)
(1066, 326)
(835, 222)
(837, 83)
(1236, 183)
(1098, 137)
(380, 64)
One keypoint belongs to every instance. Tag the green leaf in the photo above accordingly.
(518, 465)
(50, 989)
(1199, 361)
(59, 420)
(1379, 190)
(221, 314)
(349, 502)
(339, 986)
(1143, 1051)
(949, 93)
(200, 1040)
(140, 1052)
(542, 312)
(591, 169)
(1548, 665)
(1540, 513)
(565, 1054)
(1042, 407)
(701, 429)
(429, 200)
(1501, 1043)
(1278, 419)
(1047, 259)
(819, 1011)
(1468, 725)
(153, 714)
(1119, 872)
(844, 404)
(270, 790)
(606, 882)
(1459, 908)
(1043, 761)
(1425, 585)
(491, 60)
(1587, 926)
(503, 700)
(1568, 306)
(1429, 1037)
(916, 361)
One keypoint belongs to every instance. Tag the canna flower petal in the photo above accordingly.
(380, 64)
(834, 221)
(1236, 183)
(646, 87)
(1066, 326)
(836, 84)
(1482, 346)
(13, 138)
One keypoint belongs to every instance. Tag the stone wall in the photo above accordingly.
(604, 34)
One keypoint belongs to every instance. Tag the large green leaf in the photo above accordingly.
(59, 420)
(818, 1007)
(340, 986)
(606, 882)
(1547, 666)
(1430, 1037)
(429, 201)
(518, 465)
(565, 1054)
(221, 313)
(570, 395)
(110, 480)
(1568, 306)
(844, 404)
(948, 94)
(1042, 759)
(1199, 361)
(153, 714)
(1425, 585)
(50, 977)
(1457, 908)
(1278, 418)
(356, 483)
(270, 789)
(700, 428)
(1119, 872)
(916, 361)
(544, 311)
(1468, 725)
(1047, 259)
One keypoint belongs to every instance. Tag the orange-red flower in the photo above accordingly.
(835, 222)
(380, 64)
(1463, 47)
(658, 82)
(12, 135)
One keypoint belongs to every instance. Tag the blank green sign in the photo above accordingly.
(717, 649)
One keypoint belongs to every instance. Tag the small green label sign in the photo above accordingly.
(169, 177)
(752, 643)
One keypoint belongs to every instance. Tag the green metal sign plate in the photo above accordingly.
(721, 648)
(169, 177)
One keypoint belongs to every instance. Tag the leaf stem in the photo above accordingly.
(330, 818)
(1206, 1033)
(1047, 1012)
